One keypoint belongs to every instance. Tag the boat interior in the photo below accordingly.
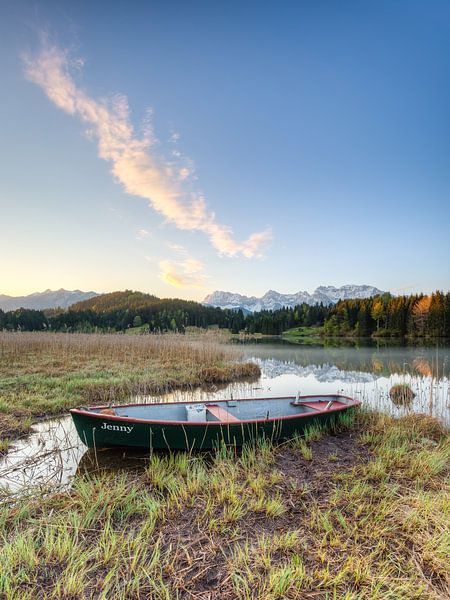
(226, 411)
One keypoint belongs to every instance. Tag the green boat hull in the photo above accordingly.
(106, 433)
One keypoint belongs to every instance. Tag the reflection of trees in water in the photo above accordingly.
(381, 361)
(423, 367)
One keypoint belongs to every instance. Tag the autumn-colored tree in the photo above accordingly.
(377, 312)
(421, 311)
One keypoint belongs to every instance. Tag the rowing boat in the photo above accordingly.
(194, 425)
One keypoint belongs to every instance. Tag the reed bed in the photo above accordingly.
(50, 352)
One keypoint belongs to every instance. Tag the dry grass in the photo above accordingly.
(401, 394)
(51, 353)
(45, 373)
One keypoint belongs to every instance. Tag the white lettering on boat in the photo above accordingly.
(122, 428)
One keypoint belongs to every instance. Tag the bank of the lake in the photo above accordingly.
(319, 335)
(303, 335)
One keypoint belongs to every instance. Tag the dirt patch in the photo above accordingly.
(331, 454)
(199, 567)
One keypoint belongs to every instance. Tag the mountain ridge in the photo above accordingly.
(47, 299)
(273, 300)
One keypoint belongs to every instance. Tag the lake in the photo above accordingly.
(52, 454)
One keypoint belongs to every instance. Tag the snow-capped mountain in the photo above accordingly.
(48, 299)
(274, 300)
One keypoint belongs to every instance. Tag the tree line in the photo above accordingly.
(166, 316)
(416, 315)
(386, 315)
(119, 311)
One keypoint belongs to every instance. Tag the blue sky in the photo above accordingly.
(182, 147)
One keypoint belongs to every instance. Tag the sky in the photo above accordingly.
(183, 147)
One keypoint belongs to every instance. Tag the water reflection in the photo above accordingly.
(367, 373)
(48, 457)
(385, 360)
(112, 459)
(53, 453)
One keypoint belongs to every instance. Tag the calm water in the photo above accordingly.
(53, 453)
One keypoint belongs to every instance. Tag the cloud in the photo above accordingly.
(141, 234)
(183, 273)
(184, 173)
(177, 248)
(134, 161)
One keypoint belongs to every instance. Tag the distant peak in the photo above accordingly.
(47, 299)
(273, 300)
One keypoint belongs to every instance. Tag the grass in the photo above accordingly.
(303, 335)
(44, 374)
(269, 522)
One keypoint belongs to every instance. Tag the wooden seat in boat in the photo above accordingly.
(221, 414)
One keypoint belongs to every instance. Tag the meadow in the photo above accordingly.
(358, 511)
(303, 335)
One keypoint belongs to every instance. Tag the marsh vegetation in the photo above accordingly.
(401, 394)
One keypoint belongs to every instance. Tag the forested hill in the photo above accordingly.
(127, 300)
(122, 310)
(416, 315)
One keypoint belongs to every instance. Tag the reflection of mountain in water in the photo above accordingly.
(324, 373)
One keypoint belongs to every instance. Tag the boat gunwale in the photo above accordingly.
(89, 412)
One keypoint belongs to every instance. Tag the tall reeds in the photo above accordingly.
(51, 351)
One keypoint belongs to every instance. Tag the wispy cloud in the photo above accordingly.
(134, 160)
(183, 273)
(184, 173)
(177, 248)
(142, 234)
